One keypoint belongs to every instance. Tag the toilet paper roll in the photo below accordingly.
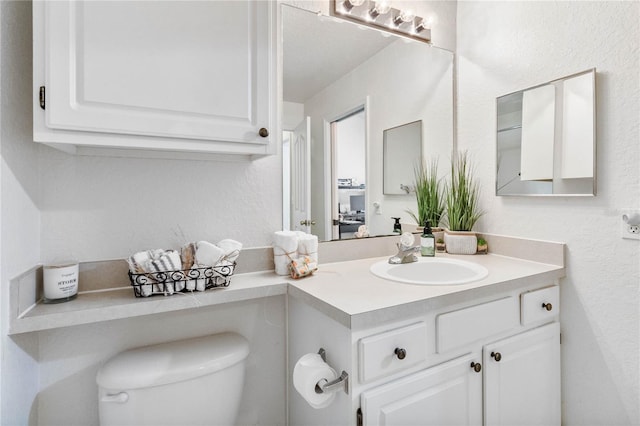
(308, 371)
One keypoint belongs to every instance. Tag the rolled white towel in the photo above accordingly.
(208, 254)
(231, 249)
(139, 264)
(167, 262)
(285, 245)
(308, 245)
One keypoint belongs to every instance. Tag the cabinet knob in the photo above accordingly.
(496, 355)
(477, 367)
(547, 306)
(263, 132)
(400, 353)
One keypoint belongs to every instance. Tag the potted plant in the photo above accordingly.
(463, 211)
(430, 197)
(483, 247)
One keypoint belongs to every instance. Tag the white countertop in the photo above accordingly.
(353, 296)
(104, 305)
(346, 291)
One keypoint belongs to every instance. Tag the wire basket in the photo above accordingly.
(181, 281)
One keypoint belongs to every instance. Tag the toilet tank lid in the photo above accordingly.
(172, 362)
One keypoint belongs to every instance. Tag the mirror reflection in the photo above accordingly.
(343, 85)
(546, 138)
(401, 145)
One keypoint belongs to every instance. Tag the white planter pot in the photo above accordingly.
(461, 242)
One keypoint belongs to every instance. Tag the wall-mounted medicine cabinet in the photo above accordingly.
(546, 138)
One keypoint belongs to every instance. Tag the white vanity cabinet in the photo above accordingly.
(494, 361)
(167, 76)
(447, 394)
(522, 378)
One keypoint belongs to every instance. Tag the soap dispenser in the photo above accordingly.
(397, 228)
(427, 241)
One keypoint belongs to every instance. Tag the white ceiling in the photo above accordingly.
(318, 50)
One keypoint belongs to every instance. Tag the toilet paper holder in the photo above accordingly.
(326, 386)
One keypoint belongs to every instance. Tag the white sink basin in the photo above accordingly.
(431, 271)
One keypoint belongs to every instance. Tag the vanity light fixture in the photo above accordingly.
(381, 15)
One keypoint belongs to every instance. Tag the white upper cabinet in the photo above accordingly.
(193, 76)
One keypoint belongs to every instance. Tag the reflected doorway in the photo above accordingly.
(348, 175)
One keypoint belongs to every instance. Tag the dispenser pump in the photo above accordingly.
(397, 228)
(427, 228)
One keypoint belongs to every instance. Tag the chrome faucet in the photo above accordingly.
(406, 254)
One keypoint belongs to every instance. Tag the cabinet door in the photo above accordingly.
(179, 69)
(447, 394)
(522, 379)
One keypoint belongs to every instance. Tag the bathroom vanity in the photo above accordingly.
(481, 353)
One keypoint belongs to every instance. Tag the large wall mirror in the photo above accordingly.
(343, 85)
(546, 138)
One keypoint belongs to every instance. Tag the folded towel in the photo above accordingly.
(231, 249)
(308, 245)
(208, 254)
(285, 244)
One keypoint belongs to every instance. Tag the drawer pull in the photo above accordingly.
(496, 355)
(400, 353)
(547, 306)
(263, 132)
(477, 367)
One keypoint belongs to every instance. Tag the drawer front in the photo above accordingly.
(540, 305)
(464, 326)
(392, 351)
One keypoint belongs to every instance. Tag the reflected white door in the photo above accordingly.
(301, 177)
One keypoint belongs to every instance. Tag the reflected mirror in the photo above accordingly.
(546, 142)
(402, 145)
(343, 85)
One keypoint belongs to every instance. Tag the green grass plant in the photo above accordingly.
(462, 193)
(429, 194)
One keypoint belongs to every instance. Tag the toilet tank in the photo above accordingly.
(188, 382)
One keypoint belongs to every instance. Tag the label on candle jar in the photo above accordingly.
(60, 281)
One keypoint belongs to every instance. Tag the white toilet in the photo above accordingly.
(189, 382)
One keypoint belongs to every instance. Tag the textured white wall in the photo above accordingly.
(19, 198)
(507, 46)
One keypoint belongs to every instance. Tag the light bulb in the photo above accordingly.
(350, 4)
(380, 8)
(404, 16)
(423, 25)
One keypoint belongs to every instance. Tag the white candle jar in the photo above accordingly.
(60, 282)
